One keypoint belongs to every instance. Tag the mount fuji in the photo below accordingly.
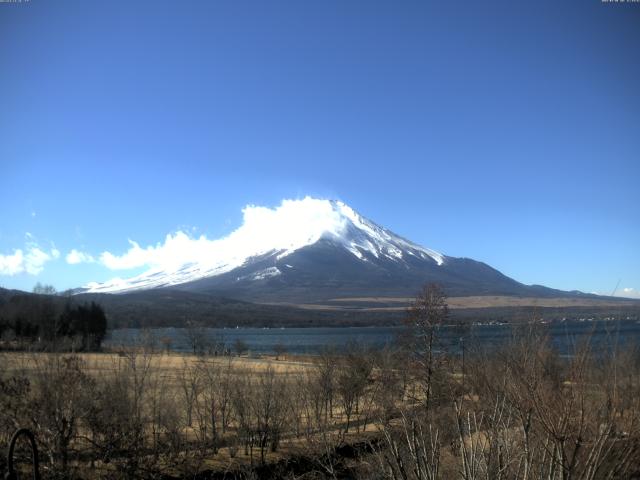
(310, 251)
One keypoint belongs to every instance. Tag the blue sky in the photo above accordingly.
(508, 132)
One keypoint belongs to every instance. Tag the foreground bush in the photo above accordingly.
(519, 411)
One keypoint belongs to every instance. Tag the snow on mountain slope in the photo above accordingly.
(280, 231)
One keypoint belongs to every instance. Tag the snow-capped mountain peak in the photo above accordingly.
(278, 231)
(365, 235)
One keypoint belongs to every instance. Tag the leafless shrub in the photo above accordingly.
(58, 405)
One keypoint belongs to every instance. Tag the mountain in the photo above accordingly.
(315, 251)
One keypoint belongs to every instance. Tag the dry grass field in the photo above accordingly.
(485, 301)
(188, 386)
(519, 412)
(168, 365)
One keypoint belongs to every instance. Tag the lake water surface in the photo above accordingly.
(564, 336)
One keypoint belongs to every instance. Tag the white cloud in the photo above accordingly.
(31, 261)
(292, 224)
(74, 257)
(35, 259)
(629, 292)
(138, 257)
(12, 264)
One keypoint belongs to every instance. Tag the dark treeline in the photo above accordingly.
(174, 308)
(43, 320)
(162, 308)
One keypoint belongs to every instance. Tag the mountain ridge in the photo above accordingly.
(313, 250)
(297, 224)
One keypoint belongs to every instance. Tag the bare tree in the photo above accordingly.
(280, 350)
(195, 336)
(352, 376)
(41, 289)
(189, 380)
(240, 346)
(326, 381)
(269, 410)
(425, 317)
(57, 406)
(241, 393)
(214, 402)
(411, 449)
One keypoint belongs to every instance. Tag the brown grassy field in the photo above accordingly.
(392, 304)
(169, 365)
(519, 411)
(169, 375)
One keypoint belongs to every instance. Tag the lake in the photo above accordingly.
(312, 340)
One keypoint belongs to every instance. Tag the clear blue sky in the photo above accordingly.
(508, 132)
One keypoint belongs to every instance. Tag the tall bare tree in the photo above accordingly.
(425, 317)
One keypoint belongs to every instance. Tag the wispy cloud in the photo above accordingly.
(629, 292)
(30, 260)
(75, 256)
(177, 249)
(288, 226)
